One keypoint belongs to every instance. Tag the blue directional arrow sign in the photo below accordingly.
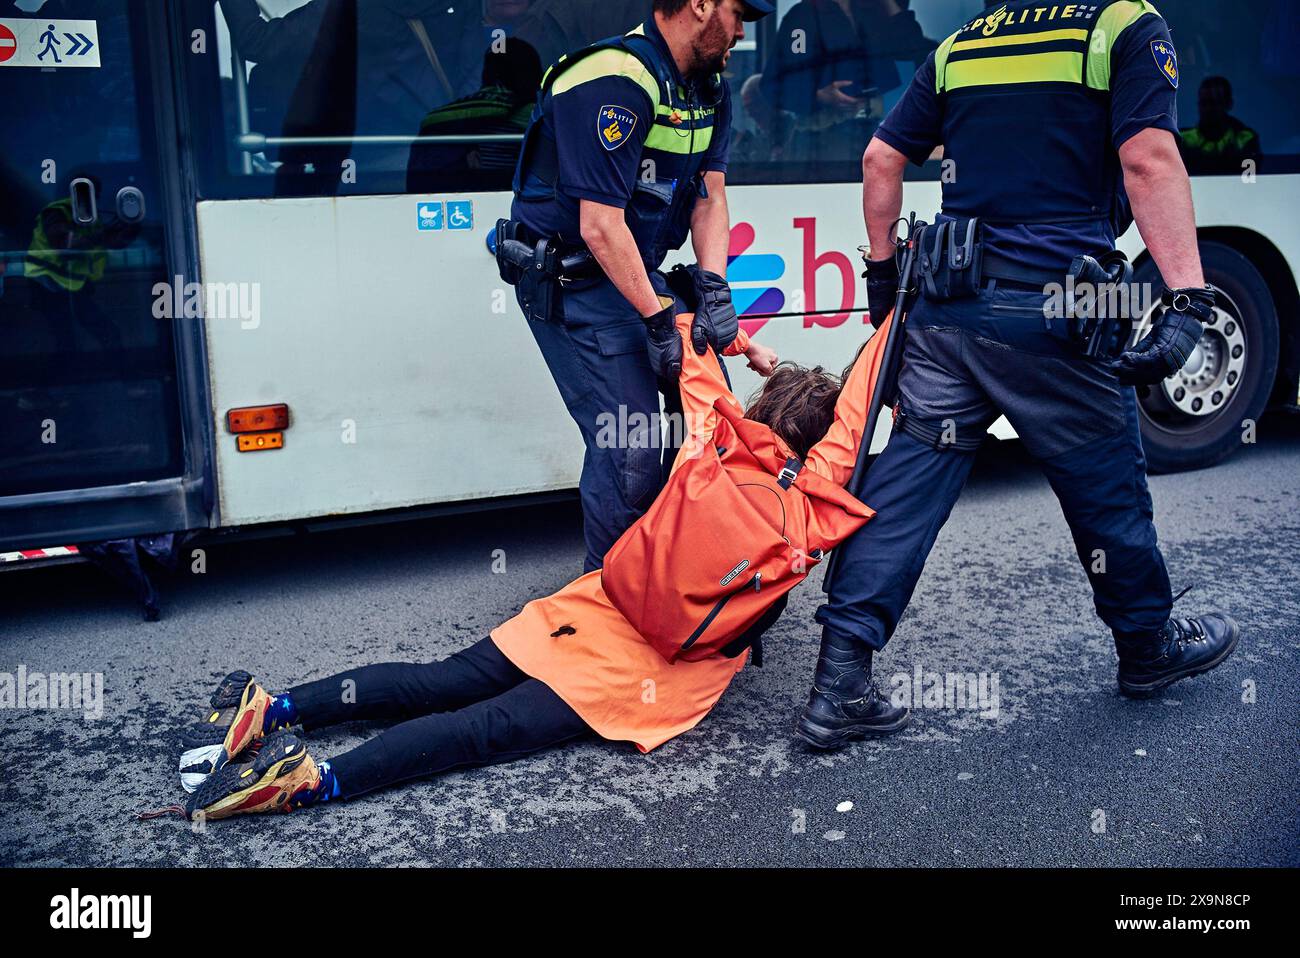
(47, 43)
(81, 44)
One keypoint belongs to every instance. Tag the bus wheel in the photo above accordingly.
(1198, 416)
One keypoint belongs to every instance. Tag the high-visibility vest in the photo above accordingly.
(659, 211)
(1025, 94)
(71, 269)
(1233, 139)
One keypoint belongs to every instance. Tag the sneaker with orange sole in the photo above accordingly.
(234, 721)
(277, 777)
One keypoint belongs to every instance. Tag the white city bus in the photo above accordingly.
(292, 158)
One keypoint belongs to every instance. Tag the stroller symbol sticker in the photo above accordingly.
(428, 216)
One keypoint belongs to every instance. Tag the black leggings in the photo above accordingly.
(474, 708)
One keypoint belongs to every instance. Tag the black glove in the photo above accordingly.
(663, 342)
(715, 322)
(680, 282)
(1164, 350)
(882, 288)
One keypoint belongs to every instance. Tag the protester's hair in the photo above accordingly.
(797, 403)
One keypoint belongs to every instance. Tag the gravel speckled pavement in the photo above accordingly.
(1067, 772)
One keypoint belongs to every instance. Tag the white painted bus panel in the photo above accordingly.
(406, 342)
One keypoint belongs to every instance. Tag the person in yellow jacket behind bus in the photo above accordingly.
(66, 261)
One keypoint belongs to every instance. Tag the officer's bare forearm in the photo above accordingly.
(711, 226)
(605, 232)
(1161, 194)
(882, 194)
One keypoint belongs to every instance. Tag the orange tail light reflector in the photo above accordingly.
(258, 418)
(256, 442)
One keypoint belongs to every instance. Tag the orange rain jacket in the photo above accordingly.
(581, 646)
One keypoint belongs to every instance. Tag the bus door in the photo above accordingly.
(91, 438)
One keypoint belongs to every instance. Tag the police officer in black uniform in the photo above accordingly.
(1046, 113)
(627, 154)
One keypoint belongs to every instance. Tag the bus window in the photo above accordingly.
(830, 72)
(475, 132)
(88, 392)
(557, 27)
(327, 97)
(1236, 92)
(832, 69)
(332, 97)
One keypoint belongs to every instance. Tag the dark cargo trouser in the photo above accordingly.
(964, 363)
(473, 708)
(595, 347)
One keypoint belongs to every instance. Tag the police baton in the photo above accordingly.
(887, 374)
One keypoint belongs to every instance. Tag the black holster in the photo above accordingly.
(950, 264)
(537, 266)
(1099, 331)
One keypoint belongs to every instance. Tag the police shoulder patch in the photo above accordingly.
(614, 125)
(1166, 60)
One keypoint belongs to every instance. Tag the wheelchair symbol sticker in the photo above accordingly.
(428, 216)
(460, 214)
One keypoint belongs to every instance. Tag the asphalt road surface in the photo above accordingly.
(1063, 772)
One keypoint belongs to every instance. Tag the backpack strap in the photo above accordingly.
(752, 638)
(789, 473)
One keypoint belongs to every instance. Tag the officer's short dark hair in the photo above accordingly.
(670, 7)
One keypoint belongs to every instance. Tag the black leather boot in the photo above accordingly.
(1181, 649)
(844, 704)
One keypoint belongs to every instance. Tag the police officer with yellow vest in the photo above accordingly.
(1047, 112)
(627, 154)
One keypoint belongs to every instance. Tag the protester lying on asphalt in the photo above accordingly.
(568, 665)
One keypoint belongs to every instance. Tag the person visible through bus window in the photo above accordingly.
(66, 262)
(895, 44)
(830, 60)
(259, 39)
(557, 27)
(502, 105)
(500, 20)
(342, 68)
(1219, 143)
(768, 136)
(303, 80)
(279, 49)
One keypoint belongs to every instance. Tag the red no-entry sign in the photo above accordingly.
(8, 43)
